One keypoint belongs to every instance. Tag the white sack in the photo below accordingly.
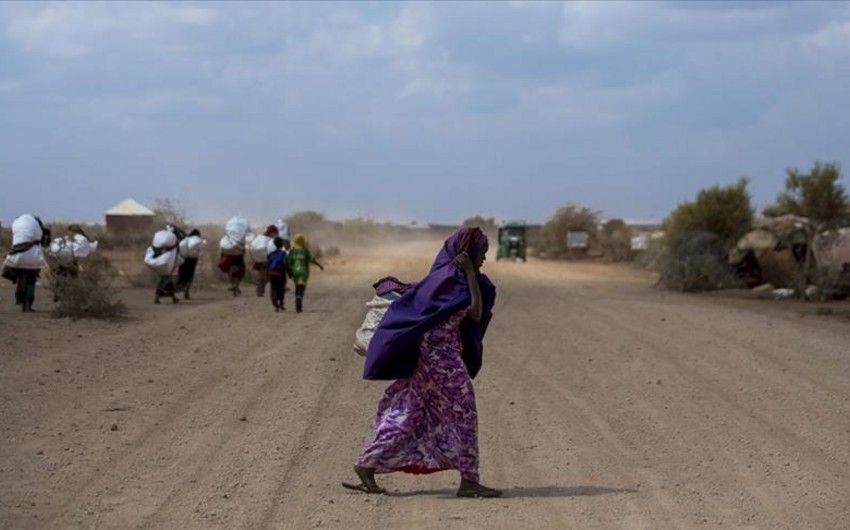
(377, 308)
(25, 229)
(231, 247)
(258, 250)
(32, 259)
(60, 248)
(164, 239)
(164, 264)
(82, 247)
(192, 246)
(237, 228)
(66, 248)
(283, 229)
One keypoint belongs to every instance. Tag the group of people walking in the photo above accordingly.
(429, 342)
(31, 244)
(174, 255)
(275, 258)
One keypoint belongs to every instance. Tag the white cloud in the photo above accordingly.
(409, 31)
(591, 23)
(578, 105)
(76, 29)
(834, 37)
(587, 24)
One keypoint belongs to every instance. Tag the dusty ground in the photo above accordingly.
(603, 404)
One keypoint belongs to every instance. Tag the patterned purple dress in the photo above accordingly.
(429, 422)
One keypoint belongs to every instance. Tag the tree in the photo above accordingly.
(569, 218)
(168, 212)
(725, 212)
(699, 235)
(487, 224)
(305, 221)
(820, 198)
(616, 240)
(816, 195)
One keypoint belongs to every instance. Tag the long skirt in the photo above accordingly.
(186, 274)
(429, 422)
(165, 285)
(25, 287)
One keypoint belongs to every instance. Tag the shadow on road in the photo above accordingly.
(563, 491)
(533, 491)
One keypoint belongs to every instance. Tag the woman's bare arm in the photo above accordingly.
(464, 263)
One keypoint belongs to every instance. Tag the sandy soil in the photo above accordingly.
(603, 404)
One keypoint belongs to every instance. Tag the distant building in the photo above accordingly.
(128, 216)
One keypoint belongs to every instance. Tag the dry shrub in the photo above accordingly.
(552, 239)
(90, 293)
(615, 241)
(696, 262)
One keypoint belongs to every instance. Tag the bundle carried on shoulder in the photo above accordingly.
(163, 255)
(164, 239)
(259, 249)
(282, 229)
(192, 246)
(27, 228)
(28, 234)
(235, 231)
(387, 290)
(67, 249)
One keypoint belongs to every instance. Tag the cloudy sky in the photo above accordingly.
(413, 111)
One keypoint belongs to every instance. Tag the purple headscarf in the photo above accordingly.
(394, 348)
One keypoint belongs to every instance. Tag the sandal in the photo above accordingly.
(367, 481)
(365, 488)
(475, 491)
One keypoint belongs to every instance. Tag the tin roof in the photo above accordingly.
(129, 207)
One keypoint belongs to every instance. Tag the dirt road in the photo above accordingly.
(603, 404)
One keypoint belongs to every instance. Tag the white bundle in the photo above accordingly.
(61, 249)
(377, 308)
(69, 248)
(31, 259)
(25, 229)
(165, 263)
(164, 239)
(230, 247)
(259, 248)
(192, 246)
(82, 247)
(236, 229)
(283, 229)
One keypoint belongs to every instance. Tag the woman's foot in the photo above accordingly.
(367, 481)
(474, 490)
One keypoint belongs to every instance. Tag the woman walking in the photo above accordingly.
(430, 341)
(186, 270)
(300, 260)
(23, 264)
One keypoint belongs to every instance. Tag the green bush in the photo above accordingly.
(726, 212)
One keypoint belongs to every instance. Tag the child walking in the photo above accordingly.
(299, 268)
(276, 269)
